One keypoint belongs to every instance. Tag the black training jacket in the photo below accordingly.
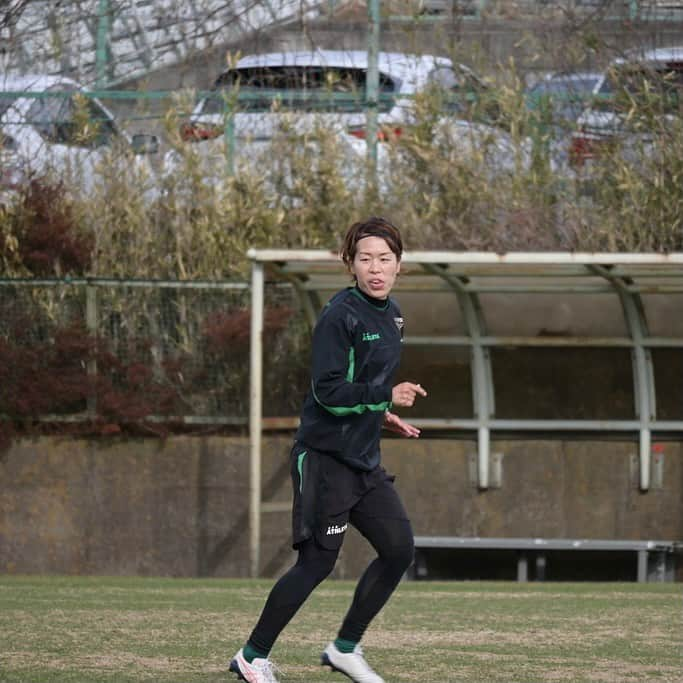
(356, 351)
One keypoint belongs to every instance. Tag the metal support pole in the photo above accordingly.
(229, 135)
(643, 373)
(645, 458)
(483, 456)
(522, 567)
(541, 563)
(482, 384)
(372, 89)
(642, 566)
(482, 376)
(102, 49)
(255, 416)
(643, 382)
(91, 324)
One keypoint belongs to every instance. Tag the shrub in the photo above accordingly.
(41, 234)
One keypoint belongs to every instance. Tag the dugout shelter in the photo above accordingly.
(485, 308)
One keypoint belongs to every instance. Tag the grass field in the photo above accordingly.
(184, 631)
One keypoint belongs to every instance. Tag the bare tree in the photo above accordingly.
(134, 38)
(10, 11)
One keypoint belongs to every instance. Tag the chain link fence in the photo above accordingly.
(141, 356)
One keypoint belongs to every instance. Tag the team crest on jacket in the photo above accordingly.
(399, 324)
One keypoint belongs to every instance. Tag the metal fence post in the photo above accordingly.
(91, 325)
(255, 416)
(229, 134)
(102, 47)
(372, 89)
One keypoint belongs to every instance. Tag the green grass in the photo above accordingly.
(95, 629)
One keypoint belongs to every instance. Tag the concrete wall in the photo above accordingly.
(179, 507)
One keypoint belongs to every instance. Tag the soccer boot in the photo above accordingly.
(258, 671)
(351, 664)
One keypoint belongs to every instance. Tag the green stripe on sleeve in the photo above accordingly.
(350, 410)
(300, 468)
(350, 373)
(360, 407)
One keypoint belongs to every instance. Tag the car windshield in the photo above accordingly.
(461, 93)
(297, 88)
(656, 89)
(560, 99)
(565, 86)
(63, 116)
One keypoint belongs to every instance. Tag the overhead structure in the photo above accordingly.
(635, 302)
(109, 42)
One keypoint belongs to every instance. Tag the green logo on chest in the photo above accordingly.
(370, 336)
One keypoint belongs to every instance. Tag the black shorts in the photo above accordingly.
(329, 494)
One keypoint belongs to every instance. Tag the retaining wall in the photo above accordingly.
(179, 507)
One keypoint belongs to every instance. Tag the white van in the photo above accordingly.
(327, 86)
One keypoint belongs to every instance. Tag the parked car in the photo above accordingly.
(635, 95)
(555, 103)
(563, 96)
(323, 83)
(47, 131)
(325, 88)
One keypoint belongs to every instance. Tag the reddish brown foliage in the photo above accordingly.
(38, 377)
(50, 377)
(45, 371)
(225, 331)
(230, 332)
(48, 235)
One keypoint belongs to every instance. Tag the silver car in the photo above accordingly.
(632, 95)
(48, 131)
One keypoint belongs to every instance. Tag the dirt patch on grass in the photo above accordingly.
(137, 665)
(521, 595)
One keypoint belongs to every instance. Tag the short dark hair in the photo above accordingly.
(375, 226)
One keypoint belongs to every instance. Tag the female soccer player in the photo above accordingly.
(335, 461)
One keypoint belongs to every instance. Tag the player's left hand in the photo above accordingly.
(394, 423)
(404, 394)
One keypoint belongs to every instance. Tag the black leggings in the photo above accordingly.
(391, 538)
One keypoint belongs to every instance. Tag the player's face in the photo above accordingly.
(375, 267)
